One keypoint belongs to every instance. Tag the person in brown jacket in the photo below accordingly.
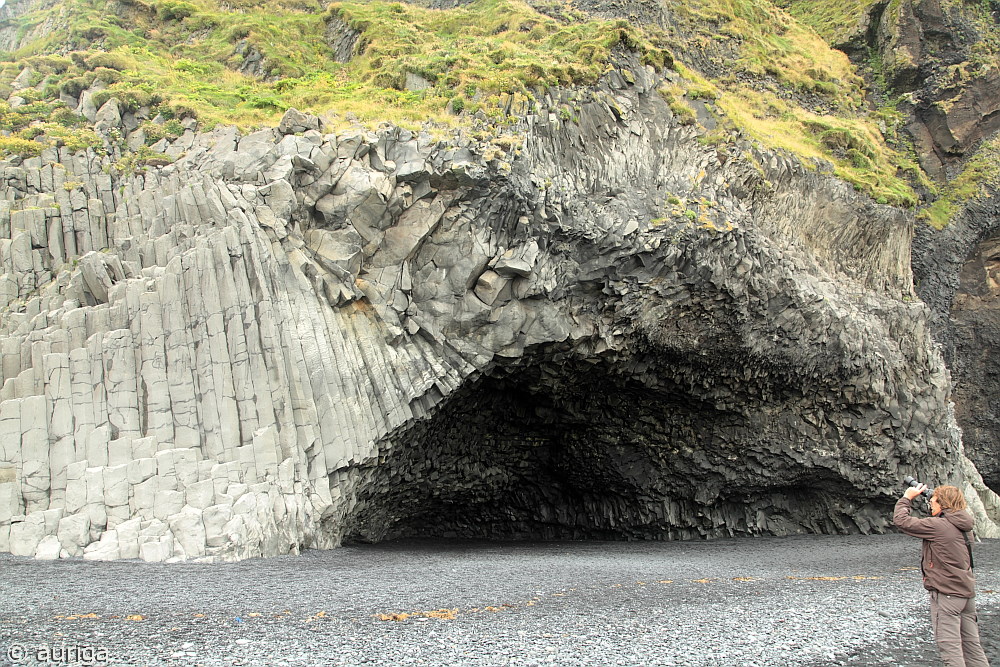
(947, 566)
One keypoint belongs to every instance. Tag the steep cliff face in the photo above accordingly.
(976, 313)
(955, 270)
(294, 338)
(940, 57)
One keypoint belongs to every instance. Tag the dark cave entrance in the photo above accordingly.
(504, 460)
(581, 451)
(975, 317)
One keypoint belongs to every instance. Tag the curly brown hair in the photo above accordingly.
(950, 498)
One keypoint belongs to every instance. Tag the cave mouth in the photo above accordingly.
(504, 461)
(583, 452)
(975, 318)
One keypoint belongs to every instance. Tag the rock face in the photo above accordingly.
(931, 52)
(956, 271)
(976, 368)
(291, 339)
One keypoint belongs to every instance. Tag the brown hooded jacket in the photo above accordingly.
(946, 561)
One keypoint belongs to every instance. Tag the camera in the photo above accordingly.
(912, 482)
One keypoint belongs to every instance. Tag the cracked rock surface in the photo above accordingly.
(604, 329)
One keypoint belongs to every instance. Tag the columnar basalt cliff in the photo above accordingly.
(587, 320)
(294, 338)
(933, 52)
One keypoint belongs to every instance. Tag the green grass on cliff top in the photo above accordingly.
(834, 20)
(789, 90)
(187, 56)
(184, 58)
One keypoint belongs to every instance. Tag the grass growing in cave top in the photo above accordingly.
(187, 56)
(184, 58)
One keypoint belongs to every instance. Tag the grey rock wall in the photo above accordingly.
(975, 314)
(290, 339)
(956, 270)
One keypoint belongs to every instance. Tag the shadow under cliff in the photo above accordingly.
(582, 449)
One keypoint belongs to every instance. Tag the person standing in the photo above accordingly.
(947, 566)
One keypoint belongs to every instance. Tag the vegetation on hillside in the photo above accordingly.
(782, 85)
(191, 58)
(760, 72)
(486, 49)
(980, 173)
(834, 20)
(949, 65)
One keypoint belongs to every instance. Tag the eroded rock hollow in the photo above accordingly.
(296, 338)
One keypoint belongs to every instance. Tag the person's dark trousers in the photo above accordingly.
(956, 631)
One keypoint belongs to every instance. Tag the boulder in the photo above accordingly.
(188, 530)
(104, 549)
(294, 121)
(10, 501)
(74, 532)
(26, 534)
(48, 548)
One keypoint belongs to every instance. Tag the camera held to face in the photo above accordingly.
(928, 492)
